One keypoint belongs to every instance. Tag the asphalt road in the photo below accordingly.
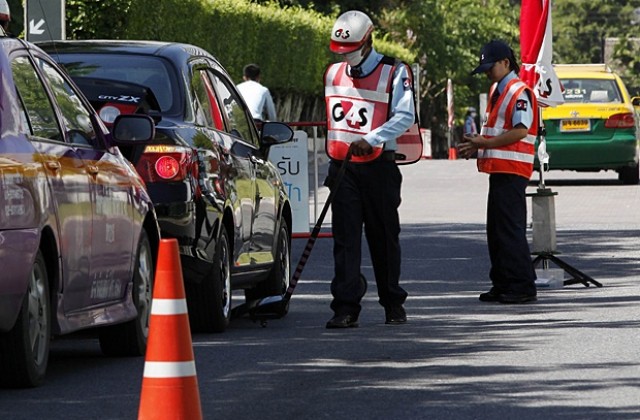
(572, 355)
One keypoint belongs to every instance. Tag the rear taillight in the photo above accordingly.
(164, 163)
(624, 120)
(110, 111)
(167, 167)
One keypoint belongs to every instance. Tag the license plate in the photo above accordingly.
(575, 125)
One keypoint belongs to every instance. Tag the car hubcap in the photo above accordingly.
(143, 291)
(225, 277)
(285, 267)
(38, 317)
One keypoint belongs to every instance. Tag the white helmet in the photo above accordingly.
(350, 32)
(5, 14)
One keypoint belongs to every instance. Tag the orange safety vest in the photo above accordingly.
(356, 106)
(515, 158)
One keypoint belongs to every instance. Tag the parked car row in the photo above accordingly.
(97, 167)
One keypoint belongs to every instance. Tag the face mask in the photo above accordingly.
(354, 58)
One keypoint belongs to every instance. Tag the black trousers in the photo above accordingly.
(369, 196)
(511, 265)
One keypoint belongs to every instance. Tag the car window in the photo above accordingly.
(591, 90)
(231, 105)
(152, 72)
(75, 114)
(42, 118)
(207, 109)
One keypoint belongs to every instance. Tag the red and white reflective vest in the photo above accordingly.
(515, 158)
(356, 106)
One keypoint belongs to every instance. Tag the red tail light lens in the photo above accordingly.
(167, 167)
(624, 120)
(164, 163)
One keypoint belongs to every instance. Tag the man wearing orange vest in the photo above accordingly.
(506, 147)
(370, 104)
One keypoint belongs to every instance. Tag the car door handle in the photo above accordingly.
(93, 169)
(255, 160)
(53, 165)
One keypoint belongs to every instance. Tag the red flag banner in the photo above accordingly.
(536, 50)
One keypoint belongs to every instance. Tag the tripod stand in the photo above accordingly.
(544, 235)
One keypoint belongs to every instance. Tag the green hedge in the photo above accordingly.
(290, 45)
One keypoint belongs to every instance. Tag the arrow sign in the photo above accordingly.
(35, 28)
(44, 20)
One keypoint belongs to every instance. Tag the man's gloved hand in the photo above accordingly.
(361, 148)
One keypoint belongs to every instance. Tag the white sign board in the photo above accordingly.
(292, 161)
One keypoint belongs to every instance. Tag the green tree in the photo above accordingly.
(447, 37)
(96, 19)
(580, 27)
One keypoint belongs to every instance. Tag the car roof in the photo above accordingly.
(172, 50)
(10, 44)
(586, 71)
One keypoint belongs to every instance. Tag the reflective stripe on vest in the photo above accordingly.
(515, 158)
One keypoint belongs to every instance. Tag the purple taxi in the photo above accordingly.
(78, 231)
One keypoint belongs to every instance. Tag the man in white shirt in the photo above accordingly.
(257, 96)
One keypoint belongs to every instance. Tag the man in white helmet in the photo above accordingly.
(5, 15)
(370, 103)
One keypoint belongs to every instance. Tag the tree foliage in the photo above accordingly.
(448, 37)
(580, 28)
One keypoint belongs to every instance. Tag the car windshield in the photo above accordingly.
(591, 90)
(148, 71)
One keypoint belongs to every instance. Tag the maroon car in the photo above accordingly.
(78, 231)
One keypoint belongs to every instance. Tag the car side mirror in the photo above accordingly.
(133, 129)
(275, 133)
(131, 132)
(635, 101)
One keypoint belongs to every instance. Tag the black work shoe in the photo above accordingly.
(343, 321)
(395, 314)
(490, 296)
(516, 298)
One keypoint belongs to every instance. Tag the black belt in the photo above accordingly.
(388, 155)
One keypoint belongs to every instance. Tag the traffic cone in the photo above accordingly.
(453, 153)
(169, 384)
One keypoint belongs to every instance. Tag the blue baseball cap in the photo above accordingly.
(493, 51)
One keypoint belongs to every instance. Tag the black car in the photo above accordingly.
(207, 170)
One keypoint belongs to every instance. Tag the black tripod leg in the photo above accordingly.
(578, 276)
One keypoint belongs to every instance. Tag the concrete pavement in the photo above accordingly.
(572, 355)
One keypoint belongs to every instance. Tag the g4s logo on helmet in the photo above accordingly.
(341, 33)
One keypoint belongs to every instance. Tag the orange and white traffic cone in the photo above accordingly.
(453, 153)
(169, 386)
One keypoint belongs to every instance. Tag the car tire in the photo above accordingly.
(630, 175)
(24, 350)
(130, 338)
(278, 281)
(209, 302)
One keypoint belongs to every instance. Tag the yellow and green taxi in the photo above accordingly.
(596, 128)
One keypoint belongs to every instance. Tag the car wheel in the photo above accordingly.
(130, 338)
(278, 281)
(629, 175)
(24, 350)
(209, 302)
